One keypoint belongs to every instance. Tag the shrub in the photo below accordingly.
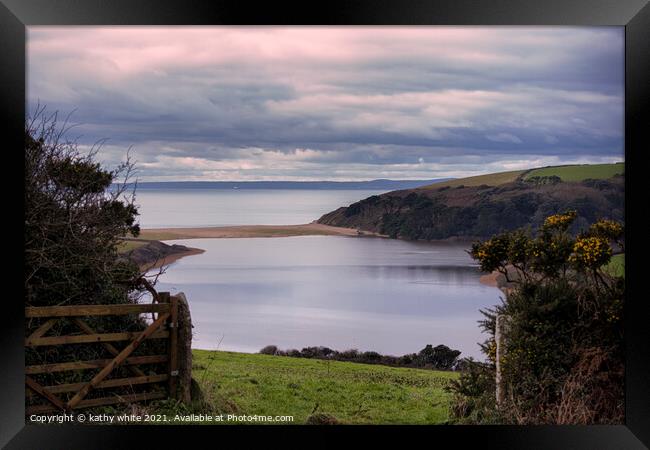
(74, 221)
(269, 350)
(349, 355)
(407, 360)
(316, 352)
(540, 180)
(563, 337)
(322, 419)
(370, 357)
(440, 357)
(473, 400)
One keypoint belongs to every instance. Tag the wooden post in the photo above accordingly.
(163, 298)
(184, 349)
(173, 348)
(500, 342)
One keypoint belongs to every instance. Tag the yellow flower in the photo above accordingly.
(591, 252)
(560, 221)
(606, 228)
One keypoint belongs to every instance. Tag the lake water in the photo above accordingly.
(368, 293)
(377, 294)
(221, 207)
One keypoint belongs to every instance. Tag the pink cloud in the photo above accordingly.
(131, 50)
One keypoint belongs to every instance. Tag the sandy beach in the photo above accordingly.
(242, 231)
(498, 280)
(491, 279)
(251, 231)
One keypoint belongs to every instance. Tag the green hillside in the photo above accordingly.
(579, 173)
(240, 383)
(491, 179)
(566, 173)
(617, 265)
(479, 207)
(127, 246)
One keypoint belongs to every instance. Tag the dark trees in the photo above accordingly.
(73, 222)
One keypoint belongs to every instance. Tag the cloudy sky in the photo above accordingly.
(334, 103)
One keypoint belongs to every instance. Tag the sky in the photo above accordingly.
(333, 103)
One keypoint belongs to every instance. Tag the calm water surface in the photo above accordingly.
(377, 294)
(220, 207)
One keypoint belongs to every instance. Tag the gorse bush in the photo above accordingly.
(474, 400)
(563, 355)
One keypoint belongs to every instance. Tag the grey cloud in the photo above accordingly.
(504, 95)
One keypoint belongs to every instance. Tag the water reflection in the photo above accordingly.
(390, 296)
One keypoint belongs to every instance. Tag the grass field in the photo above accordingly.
(566, 173)
(353, 393)
(492, 179)
(160, 236)
(579, 173)
(617, 265)
(127, 246)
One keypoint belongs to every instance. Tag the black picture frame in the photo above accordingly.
(15, 15)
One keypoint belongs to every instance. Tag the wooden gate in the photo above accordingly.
(149, 384)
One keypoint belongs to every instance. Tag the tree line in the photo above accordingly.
(439, 357)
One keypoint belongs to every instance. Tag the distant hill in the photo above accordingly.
(311, 185)
(479, 207)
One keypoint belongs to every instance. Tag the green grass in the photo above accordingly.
(616, 265)
(354, 393)
(154, 235)
(579, 173)
(127, 246)
(491, 179)
(566, 173)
